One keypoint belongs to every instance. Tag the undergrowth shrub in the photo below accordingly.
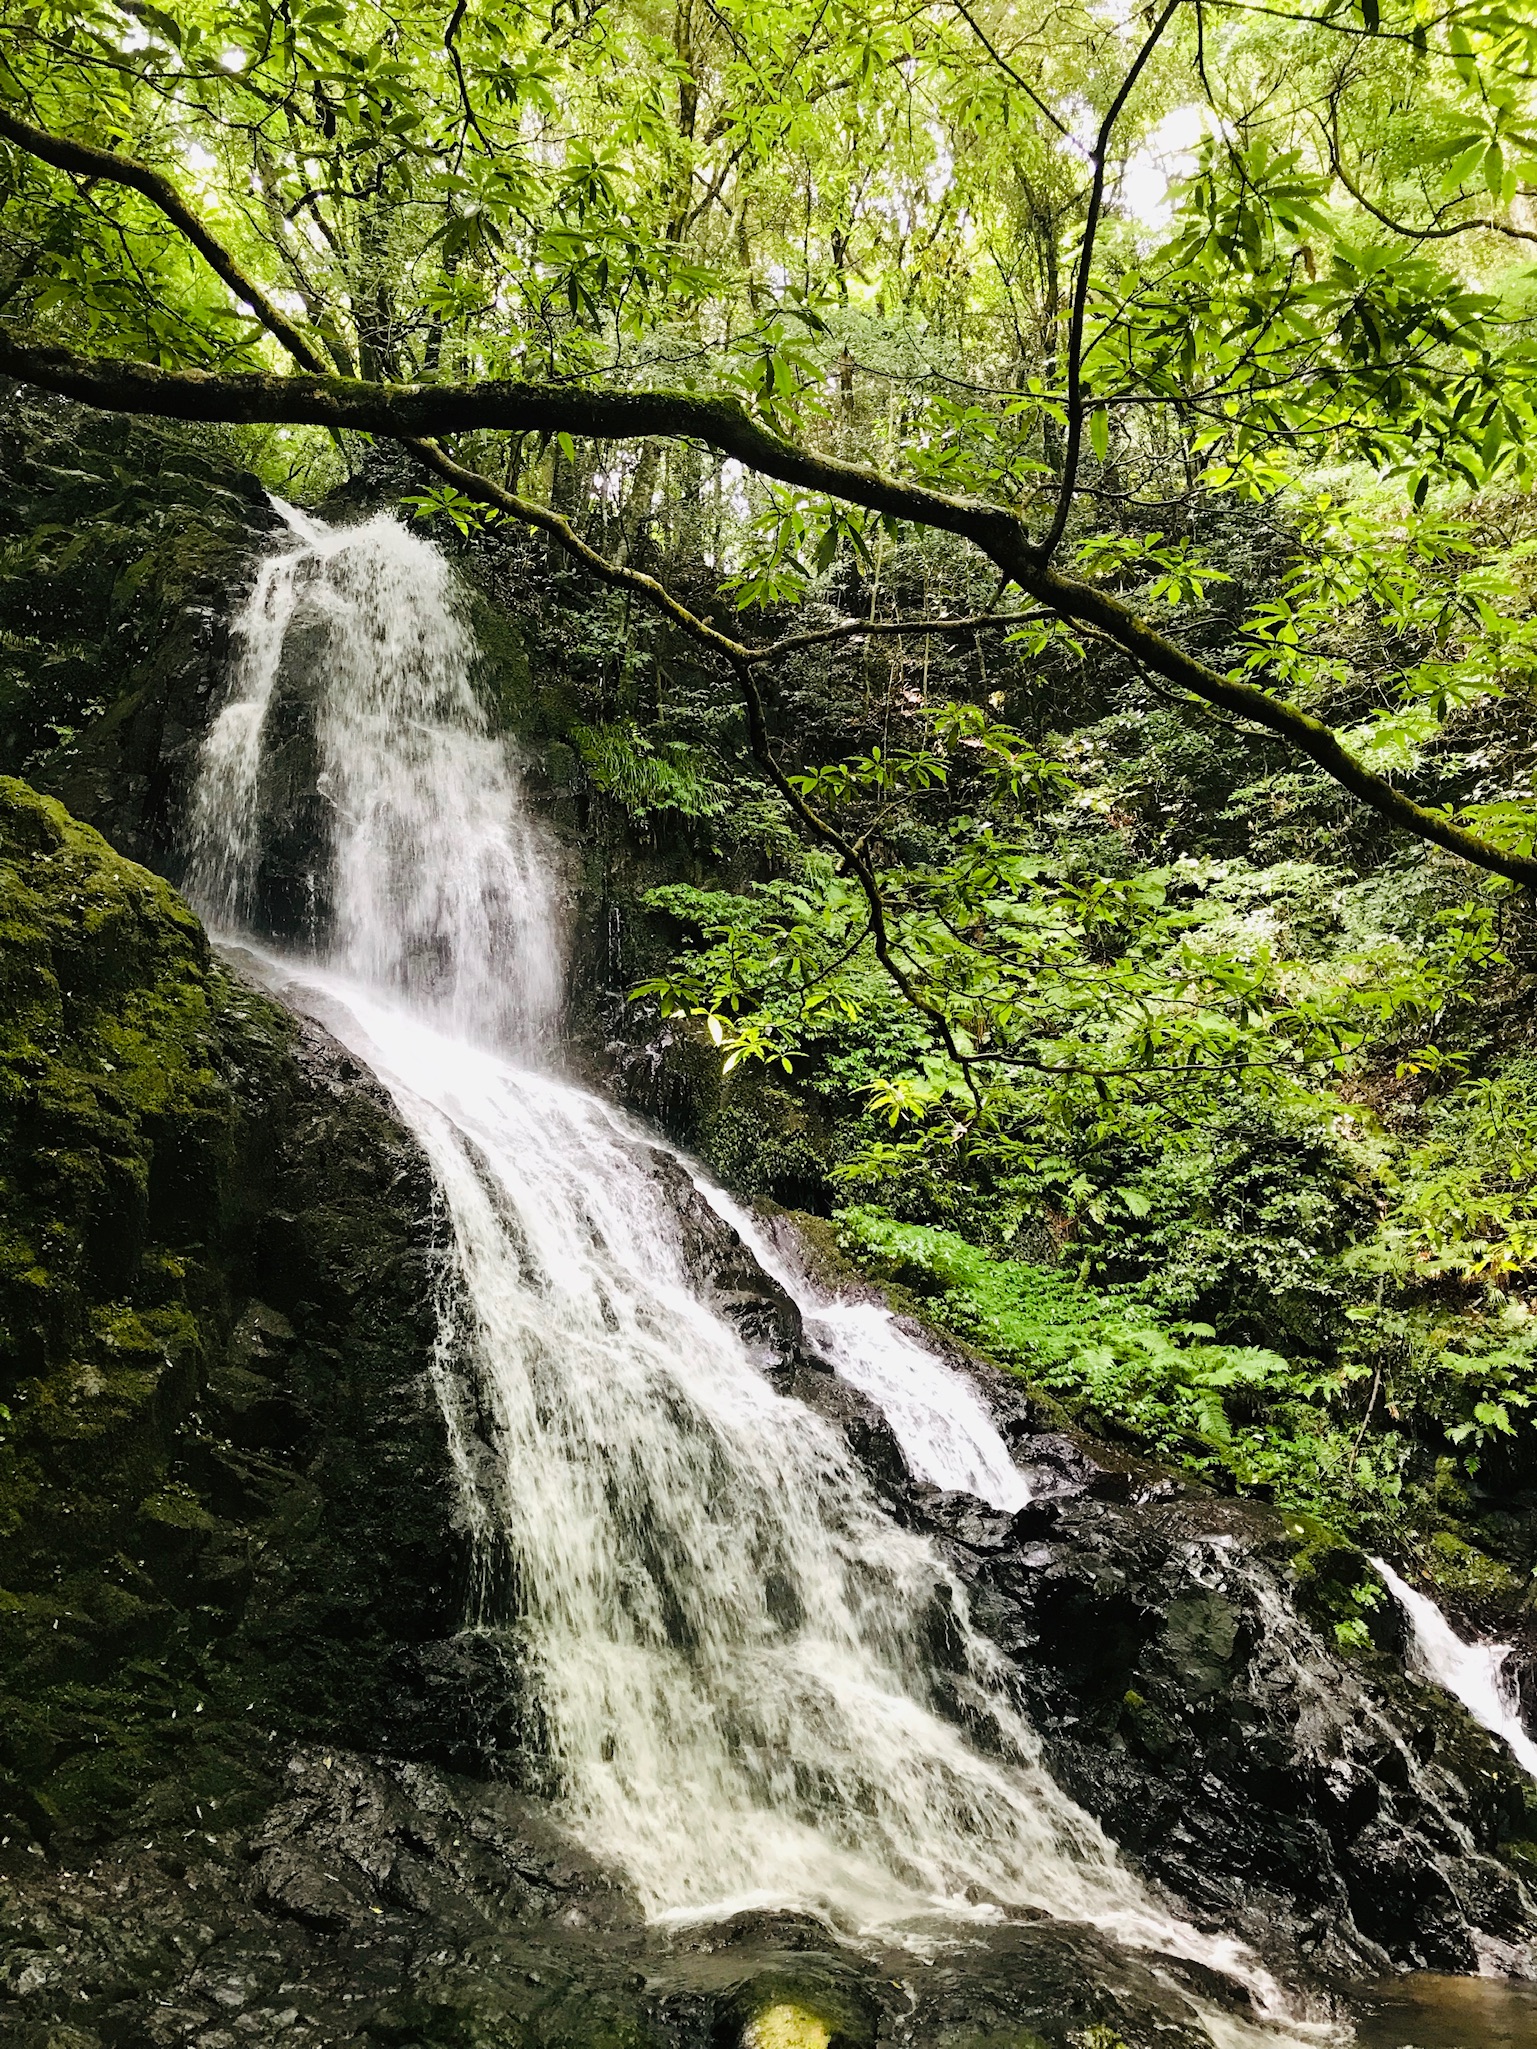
(1239, 1415)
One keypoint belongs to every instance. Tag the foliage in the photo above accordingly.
(647, 776)
(1074, 1000)
(1463, 1202)
(1237, 1413)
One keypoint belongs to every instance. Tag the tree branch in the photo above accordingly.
(402, 411)
(856, 629)
(855, 862)
(84, 160)
(1074, 449)
(409, 412)
(1011, 74)
(1082, 602)
(451, 44)
(1426, 234)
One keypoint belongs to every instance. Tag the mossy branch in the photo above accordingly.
(85, 160)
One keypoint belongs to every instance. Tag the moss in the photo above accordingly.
(104, 1046)
(1149, 1726)
(1456, 1567)
(761, 1142)
(786, 2026)
(179, 1508)
(105, 1079)
(195, 1484)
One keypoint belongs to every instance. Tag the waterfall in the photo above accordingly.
(352, 652)
(946, 1432)
(1473, 1673)
(753, 1686)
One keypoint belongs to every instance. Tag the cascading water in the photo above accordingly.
(731, 1641)
(938, 1418)
(356, 636)
(1473, 1673)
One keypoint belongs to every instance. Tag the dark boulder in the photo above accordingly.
(226, 1504)
(1306, 1794)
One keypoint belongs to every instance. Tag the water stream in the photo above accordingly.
(1473, 1673)
(946, 1431)
(732, 1643)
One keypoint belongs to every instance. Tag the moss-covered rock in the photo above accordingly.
(120, 544)
(224, 1504)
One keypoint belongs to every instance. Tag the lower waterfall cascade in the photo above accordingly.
(730, 1638)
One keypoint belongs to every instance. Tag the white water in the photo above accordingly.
(440, 887)
(937, 1416)
(731, 1641)
(1473, 1673)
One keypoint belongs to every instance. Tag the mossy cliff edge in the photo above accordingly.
(224, 1504)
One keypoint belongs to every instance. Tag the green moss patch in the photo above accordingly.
(224, 1497)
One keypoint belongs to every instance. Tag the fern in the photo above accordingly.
(647, 776)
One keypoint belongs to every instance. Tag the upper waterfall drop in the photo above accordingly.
(754, 1687)
(352, 698)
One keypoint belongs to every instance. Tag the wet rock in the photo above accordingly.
(860, 1423)
(112, 719)
(761, 1311)
(963, 1519)
(1059, 1984)
(1314, 1799)
(772, 1329)
(225, 1499)
(383, 1904)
